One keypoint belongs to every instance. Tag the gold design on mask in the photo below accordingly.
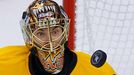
(52, 61)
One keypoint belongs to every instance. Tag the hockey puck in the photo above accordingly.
(98, 58)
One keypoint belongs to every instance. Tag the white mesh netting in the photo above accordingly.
(107, 25)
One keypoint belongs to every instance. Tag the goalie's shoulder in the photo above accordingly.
(12, 59)
(82, 55)
(13, 51)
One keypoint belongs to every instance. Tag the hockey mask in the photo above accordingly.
(45, 26)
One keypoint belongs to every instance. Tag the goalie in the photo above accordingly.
(45, 27)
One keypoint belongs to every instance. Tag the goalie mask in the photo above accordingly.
(45, 27)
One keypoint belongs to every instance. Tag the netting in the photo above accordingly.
(107, 25)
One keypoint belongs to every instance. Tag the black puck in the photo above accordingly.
(98, 58)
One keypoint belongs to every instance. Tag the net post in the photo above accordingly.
(69, 6)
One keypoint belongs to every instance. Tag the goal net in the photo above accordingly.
(107, 25)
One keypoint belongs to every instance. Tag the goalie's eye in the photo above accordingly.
(40, 34)
(57, 31)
